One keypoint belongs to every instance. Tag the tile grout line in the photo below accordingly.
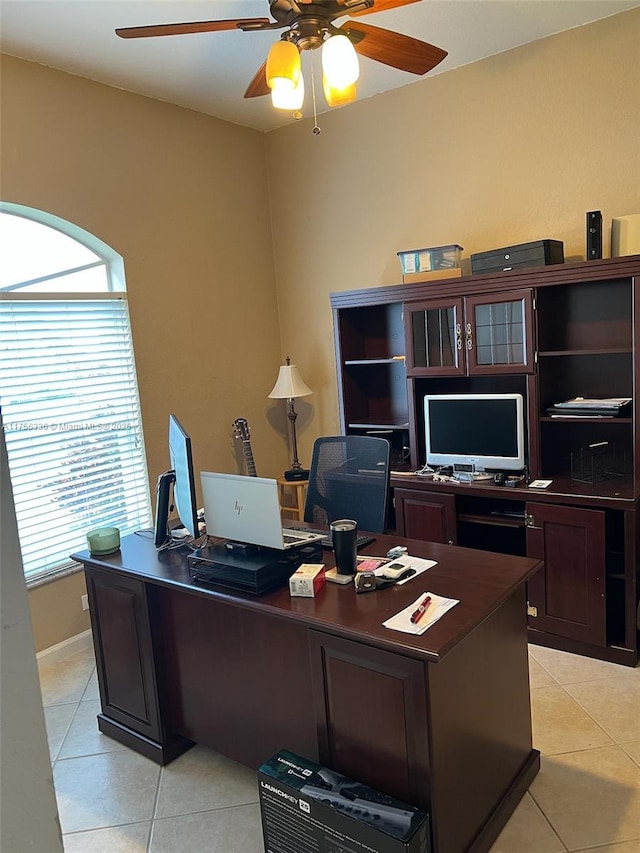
(591, 717)
(66, 735)
(547, 821)
(154, 809)
(54, 760)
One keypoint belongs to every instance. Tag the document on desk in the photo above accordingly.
(417, 564)
(435, 610)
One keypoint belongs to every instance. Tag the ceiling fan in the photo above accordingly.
(309, 25)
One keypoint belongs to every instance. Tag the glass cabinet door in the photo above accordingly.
(498, 333)
(435, 342)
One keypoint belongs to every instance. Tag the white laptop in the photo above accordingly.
(247, 509)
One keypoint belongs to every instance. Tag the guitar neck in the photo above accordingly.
(248, 457)
(241, 428)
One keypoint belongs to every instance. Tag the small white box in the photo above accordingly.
(307, 580)
(625, 235)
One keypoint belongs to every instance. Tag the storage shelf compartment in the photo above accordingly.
(576, 317)
(422, 385)
(589, 376)
(371, 333)
(559, 443)
(397, 436)
(496, 520)
(376, 395)
(502, 539)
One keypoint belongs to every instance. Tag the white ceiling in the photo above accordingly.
(209, 72)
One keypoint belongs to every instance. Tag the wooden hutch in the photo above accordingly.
(550, 333)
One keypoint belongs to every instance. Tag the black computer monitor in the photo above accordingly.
(181, 481)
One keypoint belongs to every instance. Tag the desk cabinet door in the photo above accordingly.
(569, 591)
(371, 716)
(426, 515)
(124, 651)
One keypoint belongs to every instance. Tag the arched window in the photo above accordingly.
(68, 389)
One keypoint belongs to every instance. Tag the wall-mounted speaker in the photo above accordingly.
(594, 235)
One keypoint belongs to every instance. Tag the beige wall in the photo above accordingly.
(514, 148)
(183, 198)
(56, 610)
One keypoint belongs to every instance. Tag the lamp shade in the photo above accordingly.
(283, 65)
(289, 384)
(338, 97)
(339, 62)
(285, 98)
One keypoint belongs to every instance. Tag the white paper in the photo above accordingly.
(416, 563)
(436, 610)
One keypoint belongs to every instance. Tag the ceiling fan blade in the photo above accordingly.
(184, 29)
(258, 85)
(378, 6)
(395, 49)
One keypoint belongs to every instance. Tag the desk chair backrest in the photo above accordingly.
(349, 478)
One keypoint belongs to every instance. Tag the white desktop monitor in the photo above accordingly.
(482, 431)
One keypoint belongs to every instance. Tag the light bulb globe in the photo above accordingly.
(340, 62)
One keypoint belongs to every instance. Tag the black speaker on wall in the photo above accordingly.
(594, 235)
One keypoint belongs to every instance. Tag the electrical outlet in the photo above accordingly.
(84, 600)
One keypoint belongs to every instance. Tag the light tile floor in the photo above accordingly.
(586, 722)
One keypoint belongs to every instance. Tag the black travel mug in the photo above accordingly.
(344, 538)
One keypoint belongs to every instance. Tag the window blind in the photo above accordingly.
(72, 424)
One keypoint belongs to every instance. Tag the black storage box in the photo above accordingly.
(538, 254)
(305, 806)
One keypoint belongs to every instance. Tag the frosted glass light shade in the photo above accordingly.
(285, 98)
(340, 62)
(338, 97)
(289, 384)
(283, 66)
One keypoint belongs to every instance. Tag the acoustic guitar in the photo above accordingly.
(241, 429)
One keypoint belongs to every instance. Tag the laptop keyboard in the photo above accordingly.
(292, 540)
(327, 542)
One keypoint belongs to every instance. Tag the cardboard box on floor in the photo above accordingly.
(305, 806)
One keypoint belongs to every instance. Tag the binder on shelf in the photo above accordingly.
(581, 407)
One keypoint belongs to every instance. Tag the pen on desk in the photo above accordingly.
(416, 616)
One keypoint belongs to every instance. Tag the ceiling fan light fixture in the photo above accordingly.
(285, 98)
(283, 66)
(340, 62)
(338, 97)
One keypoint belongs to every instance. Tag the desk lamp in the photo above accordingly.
(290, 385)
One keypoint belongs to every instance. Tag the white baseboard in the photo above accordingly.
(73, 646)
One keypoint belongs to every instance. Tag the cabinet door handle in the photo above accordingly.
(458, 336)
(469, 336)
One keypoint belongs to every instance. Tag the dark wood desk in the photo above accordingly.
(441, 721)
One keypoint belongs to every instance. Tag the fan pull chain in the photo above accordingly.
(316, 128)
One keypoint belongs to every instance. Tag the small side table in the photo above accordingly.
(300, 493)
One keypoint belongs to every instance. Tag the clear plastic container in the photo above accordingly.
(429, 259)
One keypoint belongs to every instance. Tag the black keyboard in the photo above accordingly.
(327, 542)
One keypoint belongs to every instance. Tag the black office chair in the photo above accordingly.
(349, 478)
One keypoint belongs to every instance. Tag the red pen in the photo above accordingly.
(416, 616)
